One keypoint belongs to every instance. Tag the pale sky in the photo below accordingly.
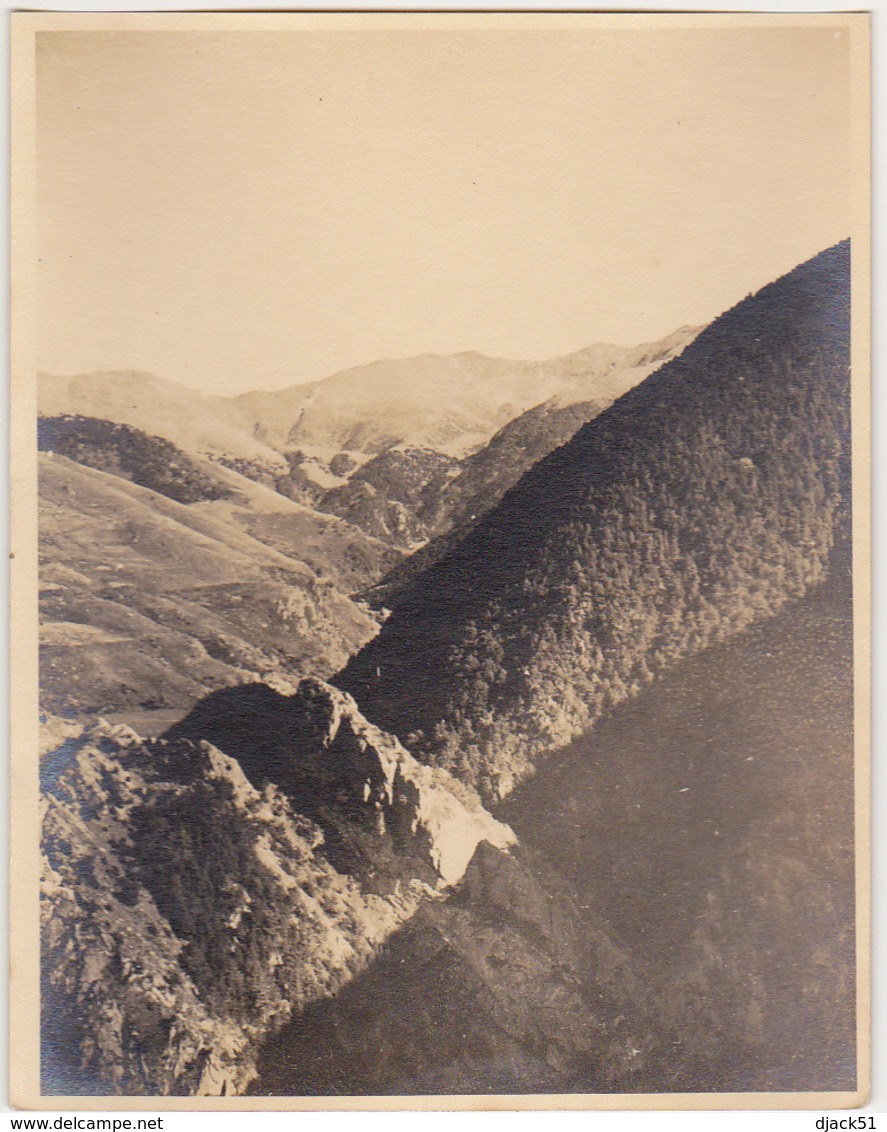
(244, 209)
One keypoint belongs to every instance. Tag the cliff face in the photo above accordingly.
(189, 908)
(702, 501)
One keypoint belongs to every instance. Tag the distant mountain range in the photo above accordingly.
(377, 445)
(447, 403)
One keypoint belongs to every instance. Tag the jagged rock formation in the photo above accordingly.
(702, 501)
(189, 908)
(351, 778)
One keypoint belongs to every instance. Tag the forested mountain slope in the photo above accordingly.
(679, 915)
(702, 501)
(456, 501)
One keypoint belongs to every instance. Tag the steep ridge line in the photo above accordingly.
(700, 502)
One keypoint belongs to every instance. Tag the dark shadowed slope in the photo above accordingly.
(709, 823)
(701, 502)
(679, 916)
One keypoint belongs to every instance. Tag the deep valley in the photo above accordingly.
(457, 725)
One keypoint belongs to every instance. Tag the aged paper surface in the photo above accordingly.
(438, 705)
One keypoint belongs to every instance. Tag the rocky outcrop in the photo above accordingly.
(191, 905)
(350, 776)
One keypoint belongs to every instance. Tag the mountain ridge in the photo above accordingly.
(701, 500)
(403, 422)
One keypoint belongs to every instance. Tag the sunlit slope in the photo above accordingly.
(147, 604)
(196, 422)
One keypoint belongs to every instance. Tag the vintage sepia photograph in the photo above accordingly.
(440, 560)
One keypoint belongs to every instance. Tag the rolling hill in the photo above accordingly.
(147, 603)
(196, 423)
